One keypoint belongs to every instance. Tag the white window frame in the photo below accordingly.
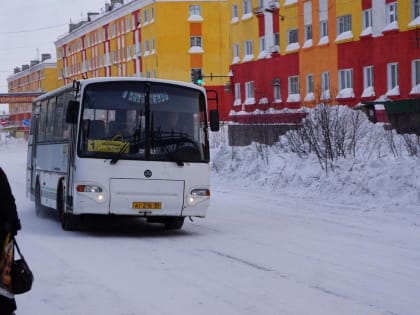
(344, 24)
(277, 93)
(246, 7)
(415, 72)
(325, 81)
(308, 32)
(367, 18)
(391, 12)
(235, 11)
(392, 75)
(250, 90)
(345, 79)
(195, 41)
(368, 77)
(249, 48)
(262, 44)
(415, 9)
(276, 39)
(292, 36)
(194, 9)
(236, 50)
(323, 28)
(238, 97)
(146, 47)
(310, 83)
(293, 85)
(152, 16)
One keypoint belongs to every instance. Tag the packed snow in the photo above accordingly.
(282, 236)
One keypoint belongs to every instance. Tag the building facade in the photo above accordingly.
(39, 76)
(267, 59)
(288, 54)
(155, 39)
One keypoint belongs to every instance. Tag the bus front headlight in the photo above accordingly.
(198, 195)
(92, 191)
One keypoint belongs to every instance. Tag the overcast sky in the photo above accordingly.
(29, 28)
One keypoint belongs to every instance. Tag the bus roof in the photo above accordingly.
(84, 82)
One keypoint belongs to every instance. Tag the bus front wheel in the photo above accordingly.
(174, 223)
(69, 222)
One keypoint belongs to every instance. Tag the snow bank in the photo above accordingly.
(374, 175)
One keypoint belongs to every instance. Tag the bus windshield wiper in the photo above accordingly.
(116, 158)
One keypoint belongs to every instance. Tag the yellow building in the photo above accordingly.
(157, 39)
(36, 77)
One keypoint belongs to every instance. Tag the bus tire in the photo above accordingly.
(174, 223)
(39, 208)
(69, 222)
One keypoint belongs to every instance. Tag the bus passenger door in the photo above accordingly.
(31, 158)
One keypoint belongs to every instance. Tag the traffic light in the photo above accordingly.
(197, 76)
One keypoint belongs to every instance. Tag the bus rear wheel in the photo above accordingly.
(39, 208)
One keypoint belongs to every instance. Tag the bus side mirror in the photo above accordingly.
(214, 120)
(72, 112)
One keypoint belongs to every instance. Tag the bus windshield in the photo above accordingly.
(151, 121)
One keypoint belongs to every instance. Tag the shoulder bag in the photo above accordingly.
(22, 276)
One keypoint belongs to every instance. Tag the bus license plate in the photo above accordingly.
(150, 205)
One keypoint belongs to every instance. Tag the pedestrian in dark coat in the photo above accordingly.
(9, 223)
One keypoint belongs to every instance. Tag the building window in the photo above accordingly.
(391, 13)
(138, 19)
(325, 81)
(367, 77)
(345, 79)
(276, 39)
(323, 28)
(127, 24)
(308, 32)
(195, 41)
(249, 90)
(145, 17)
(277, 93)
(292, 36)
(343, 24)
(247, 6)
(195, 9)
(415, 8)
(236, 50)
(152, 14)
(249, 50)
(237, 94)
(415, 69)
(392, 75)
(293, 85)
(235, 13)
(367, 18)
(309, 84)
(325, 86)
(262, 43)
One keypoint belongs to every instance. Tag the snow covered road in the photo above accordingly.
(257, 252)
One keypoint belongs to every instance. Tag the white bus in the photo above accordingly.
(121, 146)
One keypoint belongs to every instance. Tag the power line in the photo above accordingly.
(34, 29)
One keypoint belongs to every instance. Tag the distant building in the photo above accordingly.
(37, 76)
